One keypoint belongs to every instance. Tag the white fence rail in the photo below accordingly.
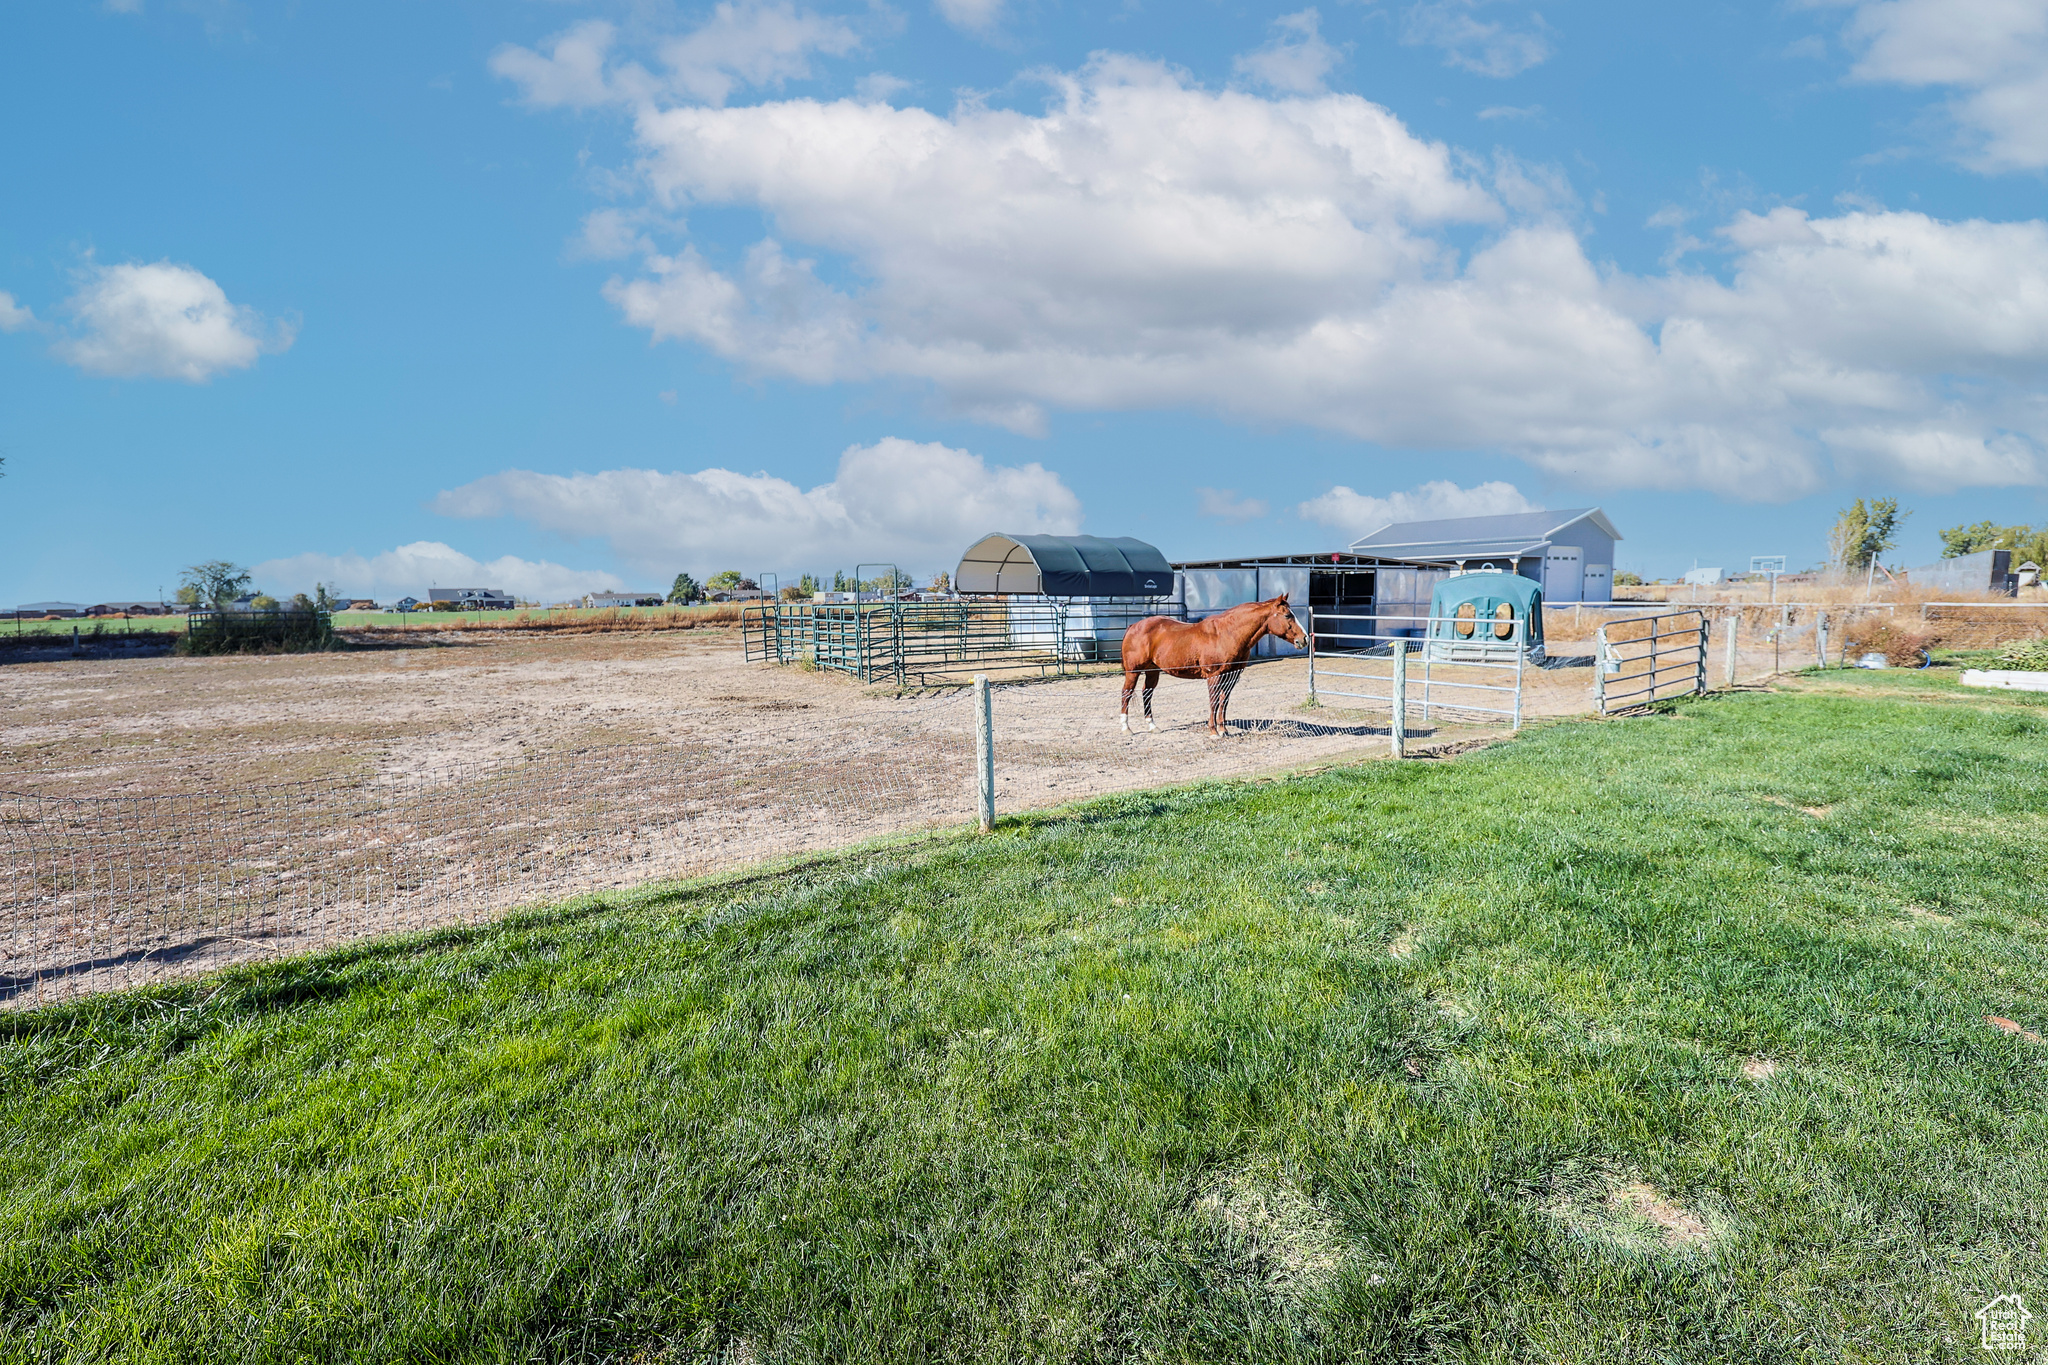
(1477, 674)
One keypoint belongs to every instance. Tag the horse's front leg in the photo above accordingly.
(1216, 706)
(1123, 715)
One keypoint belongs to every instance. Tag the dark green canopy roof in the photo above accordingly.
(1064, 566)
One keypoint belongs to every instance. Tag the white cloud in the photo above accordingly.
(163, 321)
(1360, 514)
(1994, 52)
(1225, 505)
(743, 43)
(1296, 60)
(974, 16)
(1145, 243)
(1511, 111)
(14, 316)
(1484, 47)
(410, 570)
(918, 504)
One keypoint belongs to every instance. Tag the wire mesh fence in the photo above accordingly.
(98, 893)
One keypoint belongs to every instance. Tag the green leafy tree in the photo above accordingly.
(2026, 543)
(214, 583)
(1864, 531)
(301, 602)
(942, 581)
(324, 598)
(263, 601)
(1624, 578)
(724, 581)
(808, 586)
(685, 590)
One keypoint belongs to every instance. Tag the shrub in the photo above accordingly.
(1882, 635)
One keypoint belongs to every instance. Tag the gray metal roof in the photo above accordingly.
(1511, 533)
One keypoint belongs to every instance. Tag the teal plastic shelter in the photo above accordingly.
(1485, 617)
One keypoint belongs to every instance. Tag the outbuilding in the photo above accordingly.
(1092, 587)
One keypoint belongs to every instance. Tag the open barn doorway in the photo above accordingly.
(1342, 601)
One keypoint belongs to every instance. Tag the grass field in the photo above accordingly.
(1654, 1040)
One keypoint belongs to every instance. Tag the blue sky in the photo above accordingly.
(559, 295)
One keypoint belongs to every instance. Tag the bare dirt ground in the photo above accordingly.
(161, 725)
(156, 725)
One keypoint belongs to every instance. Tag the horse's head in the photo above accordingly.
(1280, 621)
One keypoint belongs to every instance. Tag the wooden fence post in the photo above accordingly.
(1398, 730)
(984, 755)
(1734, 628)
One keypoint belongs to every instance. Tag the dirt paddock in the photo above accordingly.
(136, 726)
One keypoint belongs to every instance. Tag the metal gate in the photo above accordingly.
(1467, 669)
(1649, 659)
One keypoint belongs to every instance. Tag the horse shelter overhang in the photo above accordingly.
(1064, 566)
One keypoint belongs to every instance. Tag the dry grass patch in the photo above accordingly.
(1293, 1240)
(1403, 945)
(1634, 1215)
(1759, 1069)
(1817, 812)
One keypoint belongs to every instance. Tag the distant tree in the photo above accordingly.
(214, 583)
(1864, 531)
(324, 598)
(1623, 578)
(263, 601)
(942, 581)
(301, 602)
(839, 583)
(685, 590)
(724, 581)
(808, 586)
(2026, 543)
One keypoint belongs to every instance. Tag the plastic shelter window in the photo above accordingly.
(1467, 614)
(1504, 621)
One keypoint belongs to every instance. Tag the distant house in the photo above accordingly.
(33, 609)
(406, 604)
(738, 595)
(128, 608)
(474, 599)
(623, 599)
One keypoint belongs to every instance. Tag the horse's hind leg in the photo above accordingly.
(1151, 682)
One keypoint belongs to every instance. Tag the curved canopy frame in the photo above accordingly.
(1064, 566)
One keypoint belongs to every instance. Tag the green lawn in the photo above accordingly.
(1434, 1061)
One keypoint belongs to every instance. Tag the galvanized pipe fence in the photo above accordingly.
(1651, 658)
(1457, 667)
(924, 643)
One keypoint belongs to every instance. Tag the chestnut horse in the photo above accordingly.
(1216, 649)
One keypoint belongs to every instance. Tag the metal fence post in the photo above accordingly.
(1820, 638)
(1734, 626)
(984, 755)
(1399, 729)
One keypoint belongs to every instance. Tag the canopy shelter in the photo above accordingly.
(1485, 618)
(1064, 566)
